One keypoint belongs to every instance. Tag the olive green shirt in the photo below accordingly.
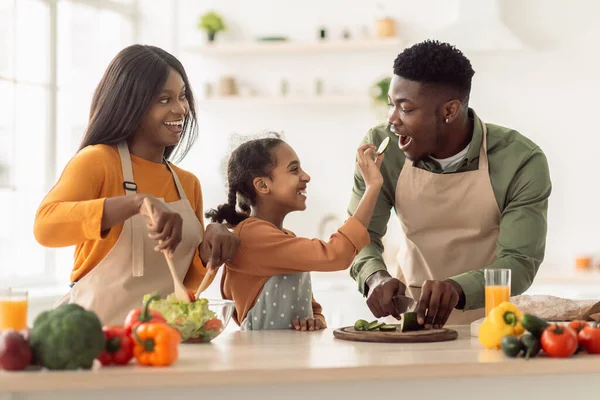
(521, 183)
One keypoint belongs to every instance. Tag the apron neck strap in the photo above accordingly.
(180, 190)
(483, 157)
(128, 183)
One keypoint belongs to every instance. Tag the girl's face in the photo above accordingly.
(163, 124)
(287, 185)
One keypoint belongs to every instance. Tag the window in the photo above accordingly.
(52, 54)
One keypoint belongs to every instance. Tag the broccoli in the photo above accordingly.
(68, 337)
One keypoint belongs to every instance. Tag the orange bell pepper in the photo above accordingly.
(156, 344)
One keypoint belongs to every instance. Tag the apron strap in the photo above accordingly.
(180, 190)
(483, 157)
(135, 223)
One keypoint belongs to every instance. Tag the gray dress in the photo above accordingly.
(283, 298)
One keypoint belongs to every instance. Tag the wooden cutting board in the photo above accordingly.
(424, 336)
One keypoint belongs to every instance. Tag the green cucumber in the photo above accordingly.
(511, 346)
(361, 325)
(534, 325)
(388, 328)
(373, 326)
(409, 322)
(530, 344)
(384, 144)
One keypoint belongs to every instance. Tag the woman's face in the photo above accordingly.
(163, 124)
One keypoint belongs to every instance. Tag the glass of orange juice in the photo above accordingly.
(497, 287)
(13, 309)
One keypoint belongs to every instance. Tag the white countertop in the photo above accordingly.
(268, 357)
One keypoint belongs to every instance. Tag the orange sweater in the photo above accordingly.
(71, 214)
(267, 251)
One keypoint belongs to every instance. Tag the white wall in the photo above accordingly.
(547, 92)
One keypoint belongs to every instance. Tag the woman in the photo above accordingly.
(142, 114)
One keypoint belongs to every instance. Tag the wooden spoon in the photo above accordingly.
(181, 292)
(210, 272)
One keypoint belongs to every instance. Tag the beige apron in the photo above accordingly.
(450, 223)
(132, 268)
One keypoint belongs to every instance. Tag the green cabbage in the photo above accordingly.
(188, 319)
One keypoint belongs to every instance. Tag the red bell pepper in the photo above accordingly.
(118, 348)
(143, 315)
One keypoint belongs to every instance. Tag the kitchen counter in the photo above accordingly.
(301, 365)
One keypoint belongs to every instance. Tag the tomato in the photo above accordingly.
(589, 337)
(191, 295)
(213, 324)
(578, 325)
(559, 341)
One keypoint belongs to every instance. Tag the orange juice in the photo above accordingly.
(13, 314)
(495, 295)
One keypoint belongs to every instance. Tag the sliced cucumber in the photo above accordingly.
(361, 325)
(388, 328)
(373, 326)
(384, 144)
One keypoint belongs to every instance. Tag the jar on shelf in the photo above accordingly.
(583, 262)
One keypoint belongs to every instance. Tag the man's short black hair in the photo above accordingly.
(433, 62)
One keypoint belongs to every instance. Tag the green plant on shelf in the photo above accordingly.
(212, 23)
(379, 91)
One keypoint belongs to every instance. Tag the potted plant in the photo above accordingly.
(379, 91)
(379, 96)
(212, 23)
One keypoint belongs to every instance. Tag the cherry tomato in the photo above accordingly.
(589, 338)
(578, 325)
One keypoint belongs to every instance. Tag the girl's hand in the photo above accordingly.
(308, 324)
(369, 169)
(165, 226)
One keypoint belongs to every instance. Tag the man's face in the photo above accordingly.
(415, 116)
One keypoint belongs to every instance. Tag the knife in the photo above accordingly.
(404, 303)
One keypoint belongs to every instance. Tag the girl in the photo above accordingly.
(142, 113)
(269, 278)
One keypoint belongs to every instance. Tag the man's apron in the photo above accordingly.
(132, 268)
(450, 223)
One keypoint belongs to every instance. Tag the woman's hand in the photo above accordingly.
(219, 245)
(164, 225)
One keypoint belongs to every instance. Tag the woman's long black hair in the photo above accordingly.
(125, 93)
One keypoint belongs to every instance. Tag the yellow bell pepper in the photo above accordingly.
(503, 320)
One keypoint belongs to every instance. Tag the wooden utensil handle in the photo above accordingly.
(210, 271)
(148, 206)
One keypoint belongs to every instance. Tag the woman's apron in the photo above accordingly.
(132, 268)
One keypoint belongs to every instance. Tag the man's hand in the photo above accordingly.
(382, 289)
(438, 299)
(219, 245)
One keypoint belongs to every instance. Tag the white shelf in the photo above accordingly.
(289, 46)
(361, 100)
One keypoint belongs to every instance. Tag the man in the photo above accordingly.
(469, 195)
